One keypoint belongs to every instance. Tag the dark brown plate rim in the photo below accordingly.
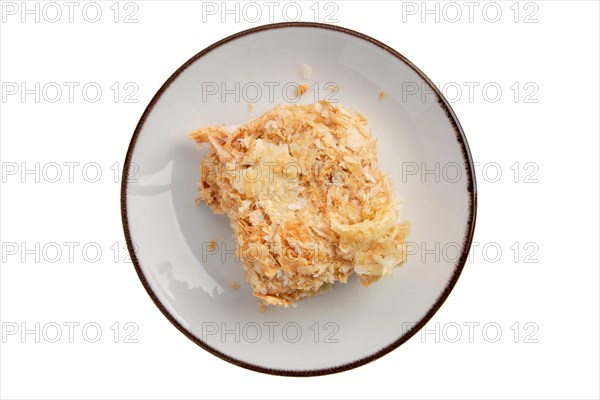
(471, 187)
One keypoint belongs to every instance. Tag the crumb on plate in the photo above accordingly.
(305, 71)
(381, 95)
(301, 89)
(212, 245)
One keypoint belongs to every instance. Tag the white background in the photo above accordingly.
(552, 123)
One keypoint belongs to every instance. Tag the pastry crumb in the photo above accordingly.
(381, 95)
(235, 285)
(334, 88)
(301, 89)
(250, 108)
(305, 71)
(212, 245)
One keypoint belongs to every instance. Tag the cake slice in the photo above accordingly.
(306, 200)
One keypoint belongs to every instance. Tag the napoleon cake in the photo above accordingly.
(306, 200)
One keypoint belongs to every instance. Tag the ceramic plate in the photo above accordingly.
(421, 146)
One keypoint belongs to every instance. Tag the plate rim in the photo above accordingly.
(467, 240)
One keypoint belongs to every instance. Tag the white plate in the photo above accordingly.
(418, 134)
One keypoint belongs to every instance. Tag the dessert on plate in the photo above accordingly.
(306, 200)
